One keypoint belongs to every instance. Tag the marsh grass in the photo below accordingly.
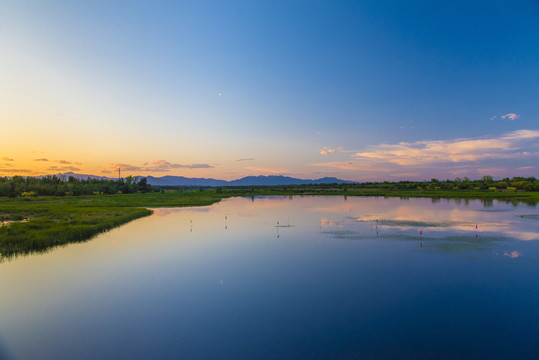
(54, 221)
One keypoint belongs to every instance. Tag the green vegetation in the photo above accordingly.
(457, 186)
(59, 186)
(38, 223)
(512, 190)
(30, 222)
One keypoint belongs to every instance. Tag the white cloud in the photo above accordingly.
(450, 151)
(510, 116)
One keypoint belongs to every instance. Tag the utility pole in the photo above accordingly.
(119, 177)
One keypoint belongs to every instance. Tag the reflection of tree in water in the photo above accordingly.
(516, 202)
(487, 203)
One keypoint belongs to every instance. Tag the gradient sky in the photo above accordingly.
(361, 90)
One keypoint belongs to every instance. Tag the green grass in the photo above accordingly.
(44, 222)
(52, 221)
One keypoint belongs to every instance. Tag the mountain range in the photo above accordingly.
(169, 180)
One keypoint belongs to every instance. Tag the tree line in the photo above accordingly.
(487, 182)
(71, 186)
(61, 186)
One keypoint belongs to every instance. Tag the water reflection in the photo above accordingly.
(513, 254)
(447, 218)
(282, 274)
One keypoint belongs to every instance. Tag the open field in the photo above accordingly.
(37, 224)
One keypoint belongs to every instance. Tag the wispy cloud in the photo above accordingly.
(62, 168)
(507, 154)
(5, 158)
(450, 151)
(510, 116)
(159, 166)
(245, 159)
(16, 171)
(63, 161)
(492, 117)
(267, 170)
(351, 165)
(326, 150)
(42, 159)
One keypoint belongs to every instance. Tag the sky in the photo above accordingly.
(360, 90)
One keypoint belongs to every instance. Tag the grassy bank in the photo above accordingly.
(36, 224)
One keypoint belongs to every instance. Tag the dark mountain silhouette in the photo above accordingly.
(170, 180)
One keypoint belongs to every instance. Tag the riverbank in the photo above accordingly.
(37, 224)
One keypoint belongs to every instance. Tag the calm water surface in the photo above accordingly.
(285, 278)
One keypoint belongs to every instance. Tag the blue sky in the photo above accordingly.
(362, 90)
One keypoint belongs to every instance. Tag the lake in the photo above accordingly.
(286, 278)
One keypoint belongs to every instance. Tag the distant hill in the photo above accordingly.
(274, 180)
(246, 181)
(169, 180)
